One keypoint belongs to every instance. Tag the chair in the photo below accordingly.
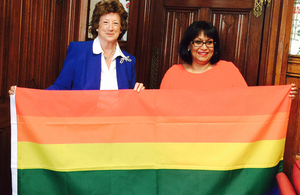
(296, 176)
(284, 185)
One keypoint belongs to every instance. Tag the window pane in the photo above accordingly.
(295, 33)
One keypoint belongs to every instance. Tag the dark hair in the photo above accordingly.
(105, 7)
(191, 33)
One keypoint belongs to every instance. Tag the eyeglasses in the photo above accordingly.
(201, 43)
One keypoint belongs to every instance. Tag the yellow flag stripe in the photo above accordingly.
(125, 156)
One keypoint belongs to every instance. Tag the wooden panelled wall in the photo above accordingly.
(273, 70)
(34, 36)
(293, 135)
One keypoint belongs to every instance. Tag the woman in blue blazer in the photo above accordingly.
(99, 64)
(82, 69)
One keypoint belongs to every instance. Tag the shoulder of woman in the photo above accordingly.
(81, 44)
(171, 75)
(175, 68)
(226, 64)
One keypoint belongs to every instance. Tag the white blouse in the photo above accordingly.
(108, 75)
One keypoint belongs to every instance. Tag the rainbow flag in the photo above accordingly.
(166, 142)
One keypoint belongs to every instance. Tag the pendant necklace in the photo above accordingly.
(106, 58)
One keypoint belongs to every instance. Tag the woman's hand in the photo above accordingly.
(12, 90)
(293, 91)
(138, 87)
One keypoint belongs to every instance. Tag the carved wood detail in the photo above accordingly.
(154, 67)
(293, 69)
(231, 26)
(175, 25)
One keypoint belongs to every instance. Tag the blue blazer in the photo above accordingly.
(82, 69)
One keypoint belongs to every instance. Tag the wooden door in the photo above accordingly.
(239, 29)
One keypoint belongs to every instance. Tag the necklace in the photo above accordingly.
(106, 58)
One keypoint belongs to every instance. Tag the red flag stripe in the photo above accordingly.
(159, 102)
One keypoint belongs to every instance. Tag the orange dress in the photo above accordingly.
(222, 74)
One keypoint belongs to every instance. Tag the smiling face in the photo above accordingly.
(109, 27)
(201, 55)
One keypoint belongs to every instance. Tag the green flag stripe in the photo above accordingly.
(147, 182)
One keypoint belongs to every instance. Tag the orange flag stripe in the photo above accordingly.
(105, 103)
(63, 130)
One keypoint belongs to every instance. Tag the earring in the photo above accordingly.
(188, 49)
(97, 30)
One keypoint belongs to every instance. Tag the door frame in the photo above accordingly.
(276, 40)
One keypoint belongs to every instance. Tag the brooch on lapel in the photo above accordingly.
(126, 59)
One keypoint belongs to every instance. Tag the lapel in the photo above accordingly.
(95, 71)
(119, 76)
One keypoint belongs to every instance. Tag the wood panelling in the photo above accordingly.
(133, 23)
(273, 41)
(269, 44)
(34, 37)
(283, 43)
(5, 174)
(240, 32)
(239, 4)
(176, 23)
(292, 151)
(292, 147)
(281, 77)
(293, 69)
(82, 10)
(142, 48)
(234, 31)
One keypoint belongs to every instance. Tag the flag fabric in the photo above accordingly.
(226, 141)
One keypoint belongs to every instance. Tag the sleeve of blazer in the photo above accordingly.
(133, 73)
(66, 76)
(126, 72)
